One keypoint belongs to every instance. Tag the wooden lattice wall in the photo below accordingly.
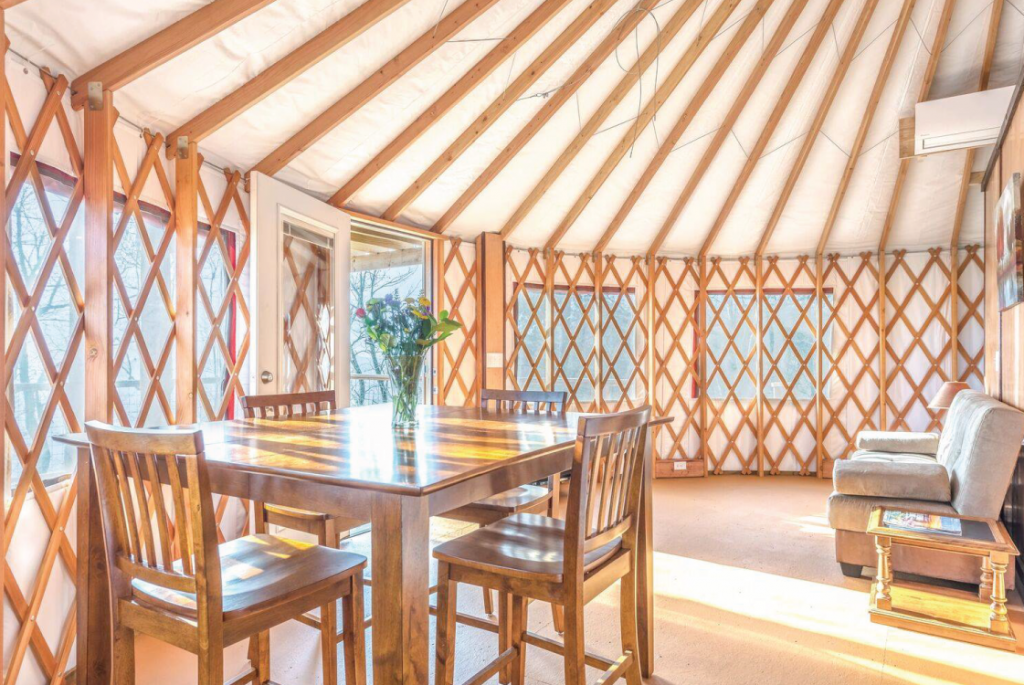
(45, 354)
(787, 349)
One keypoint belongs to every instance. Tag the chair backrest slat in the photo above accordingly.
(143, 478)
(607, 477)
(288, 405)
(525, 401)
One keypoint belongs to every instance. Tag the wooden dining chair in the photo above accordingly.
(567, 563)
(525, 499)
(169, 578)
(328, 528)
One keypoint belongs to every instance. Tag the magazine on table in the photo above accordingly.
(923, 523)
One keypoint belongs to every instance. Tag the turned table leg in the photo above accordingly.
(883, 596)
(997, 620)
(985, 588)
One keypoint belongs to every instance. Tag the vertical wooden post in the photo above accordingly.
(758, 359)
(549, 318)
(819, 293)
(954, 311)
(437, 282)
(882, 354)
(702, 353)
(94, 644)
(4, 485)
(490, 258)
(651, 262)
(599, 337)
(186, 222)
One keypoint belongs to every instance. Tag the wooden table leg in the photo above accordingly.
(645, 570)
(883, 596)
(400, 527)
(93, 598)
(997, 620)
(985, 587)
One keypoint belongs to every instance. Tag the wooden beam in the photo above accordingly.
(490, 260)
(622, 88)
(553, 103)
(454, 95)
(926, 86)
(865, 125)
(100, 117)
(8, 4)
(284, 70)
(883, 354)
(819, 119)
(961, 201)
(186, 229)
(908, 147)
(373, 85)
(5, 454)
(182, 35)
(781, 105)
(547, 58)
(725, 128)
(746, 29)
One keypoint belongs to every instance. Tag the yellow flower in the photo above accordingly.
(424, 302)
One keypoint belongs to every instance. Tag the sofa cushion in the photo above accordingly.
(890, 457)
(850, 512)
(904, 442)
(908, 480)
(984, 439)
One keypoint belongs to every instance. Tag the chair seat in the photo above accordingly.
(258, 572)
(523, 545)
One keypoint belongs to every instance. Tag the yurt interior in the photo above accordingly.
(532, 342)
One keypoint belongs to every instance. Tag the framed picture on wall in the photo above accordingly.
(1010, 245)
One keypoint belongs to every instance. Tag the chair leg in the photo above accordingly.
(355, 633)
(558, 616)
(520, 611)
(575, 668)
(329, 641)
(628, 622)
(259, 656)
(488, 602)
(504, 633)
(124, 657)
(447, 595)
(211, 666)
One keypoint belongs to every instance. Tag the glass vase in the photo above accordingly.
(404, 372)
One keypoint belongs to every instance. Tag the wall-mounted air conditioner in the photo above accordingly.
(960, 122)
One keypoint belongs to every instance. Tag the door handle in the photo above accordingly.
(267, 377)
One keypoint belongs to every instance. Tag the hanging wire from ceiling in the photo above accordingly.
(647, 13)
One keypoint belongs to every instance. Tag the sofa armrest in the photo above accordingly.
(921, 481)
(898, 441)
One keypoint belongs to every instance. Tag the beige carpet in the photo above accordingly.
(747, 592)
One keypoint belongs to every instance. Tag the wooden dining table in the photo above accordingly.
(354, 464)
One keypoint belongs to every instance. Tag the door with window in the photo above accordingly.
(301, 289)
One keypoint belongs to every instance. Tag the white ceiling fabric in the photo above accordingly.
(71, 36)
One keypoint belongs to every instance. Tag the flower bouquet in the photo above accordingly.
(404, 330)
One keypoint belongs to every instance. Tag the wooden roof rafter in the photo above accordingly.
(895, 41)
(494, 58)
(781, 105)
(746, 29)
(554, 103)
(822, 111)
(164, 45)
(926, 86)
(625, 85)
(8, 4)
(548, 57)
(983, 77)
(373, 85)
(284, 70)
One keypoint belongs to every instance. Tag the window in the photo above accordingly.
(383, 262)
(787, 341)
(620, 341)
(57, 345)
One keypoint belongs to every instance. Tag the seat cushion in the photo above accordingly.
(256, 572)
(850, 512)
(522, 546)
(898, 441)
(892, 457)
(909, 480)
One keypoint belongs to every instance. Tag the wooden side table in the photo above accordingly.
(940, 611)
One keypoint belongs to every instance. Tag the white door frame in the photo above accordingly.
(271, 202)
